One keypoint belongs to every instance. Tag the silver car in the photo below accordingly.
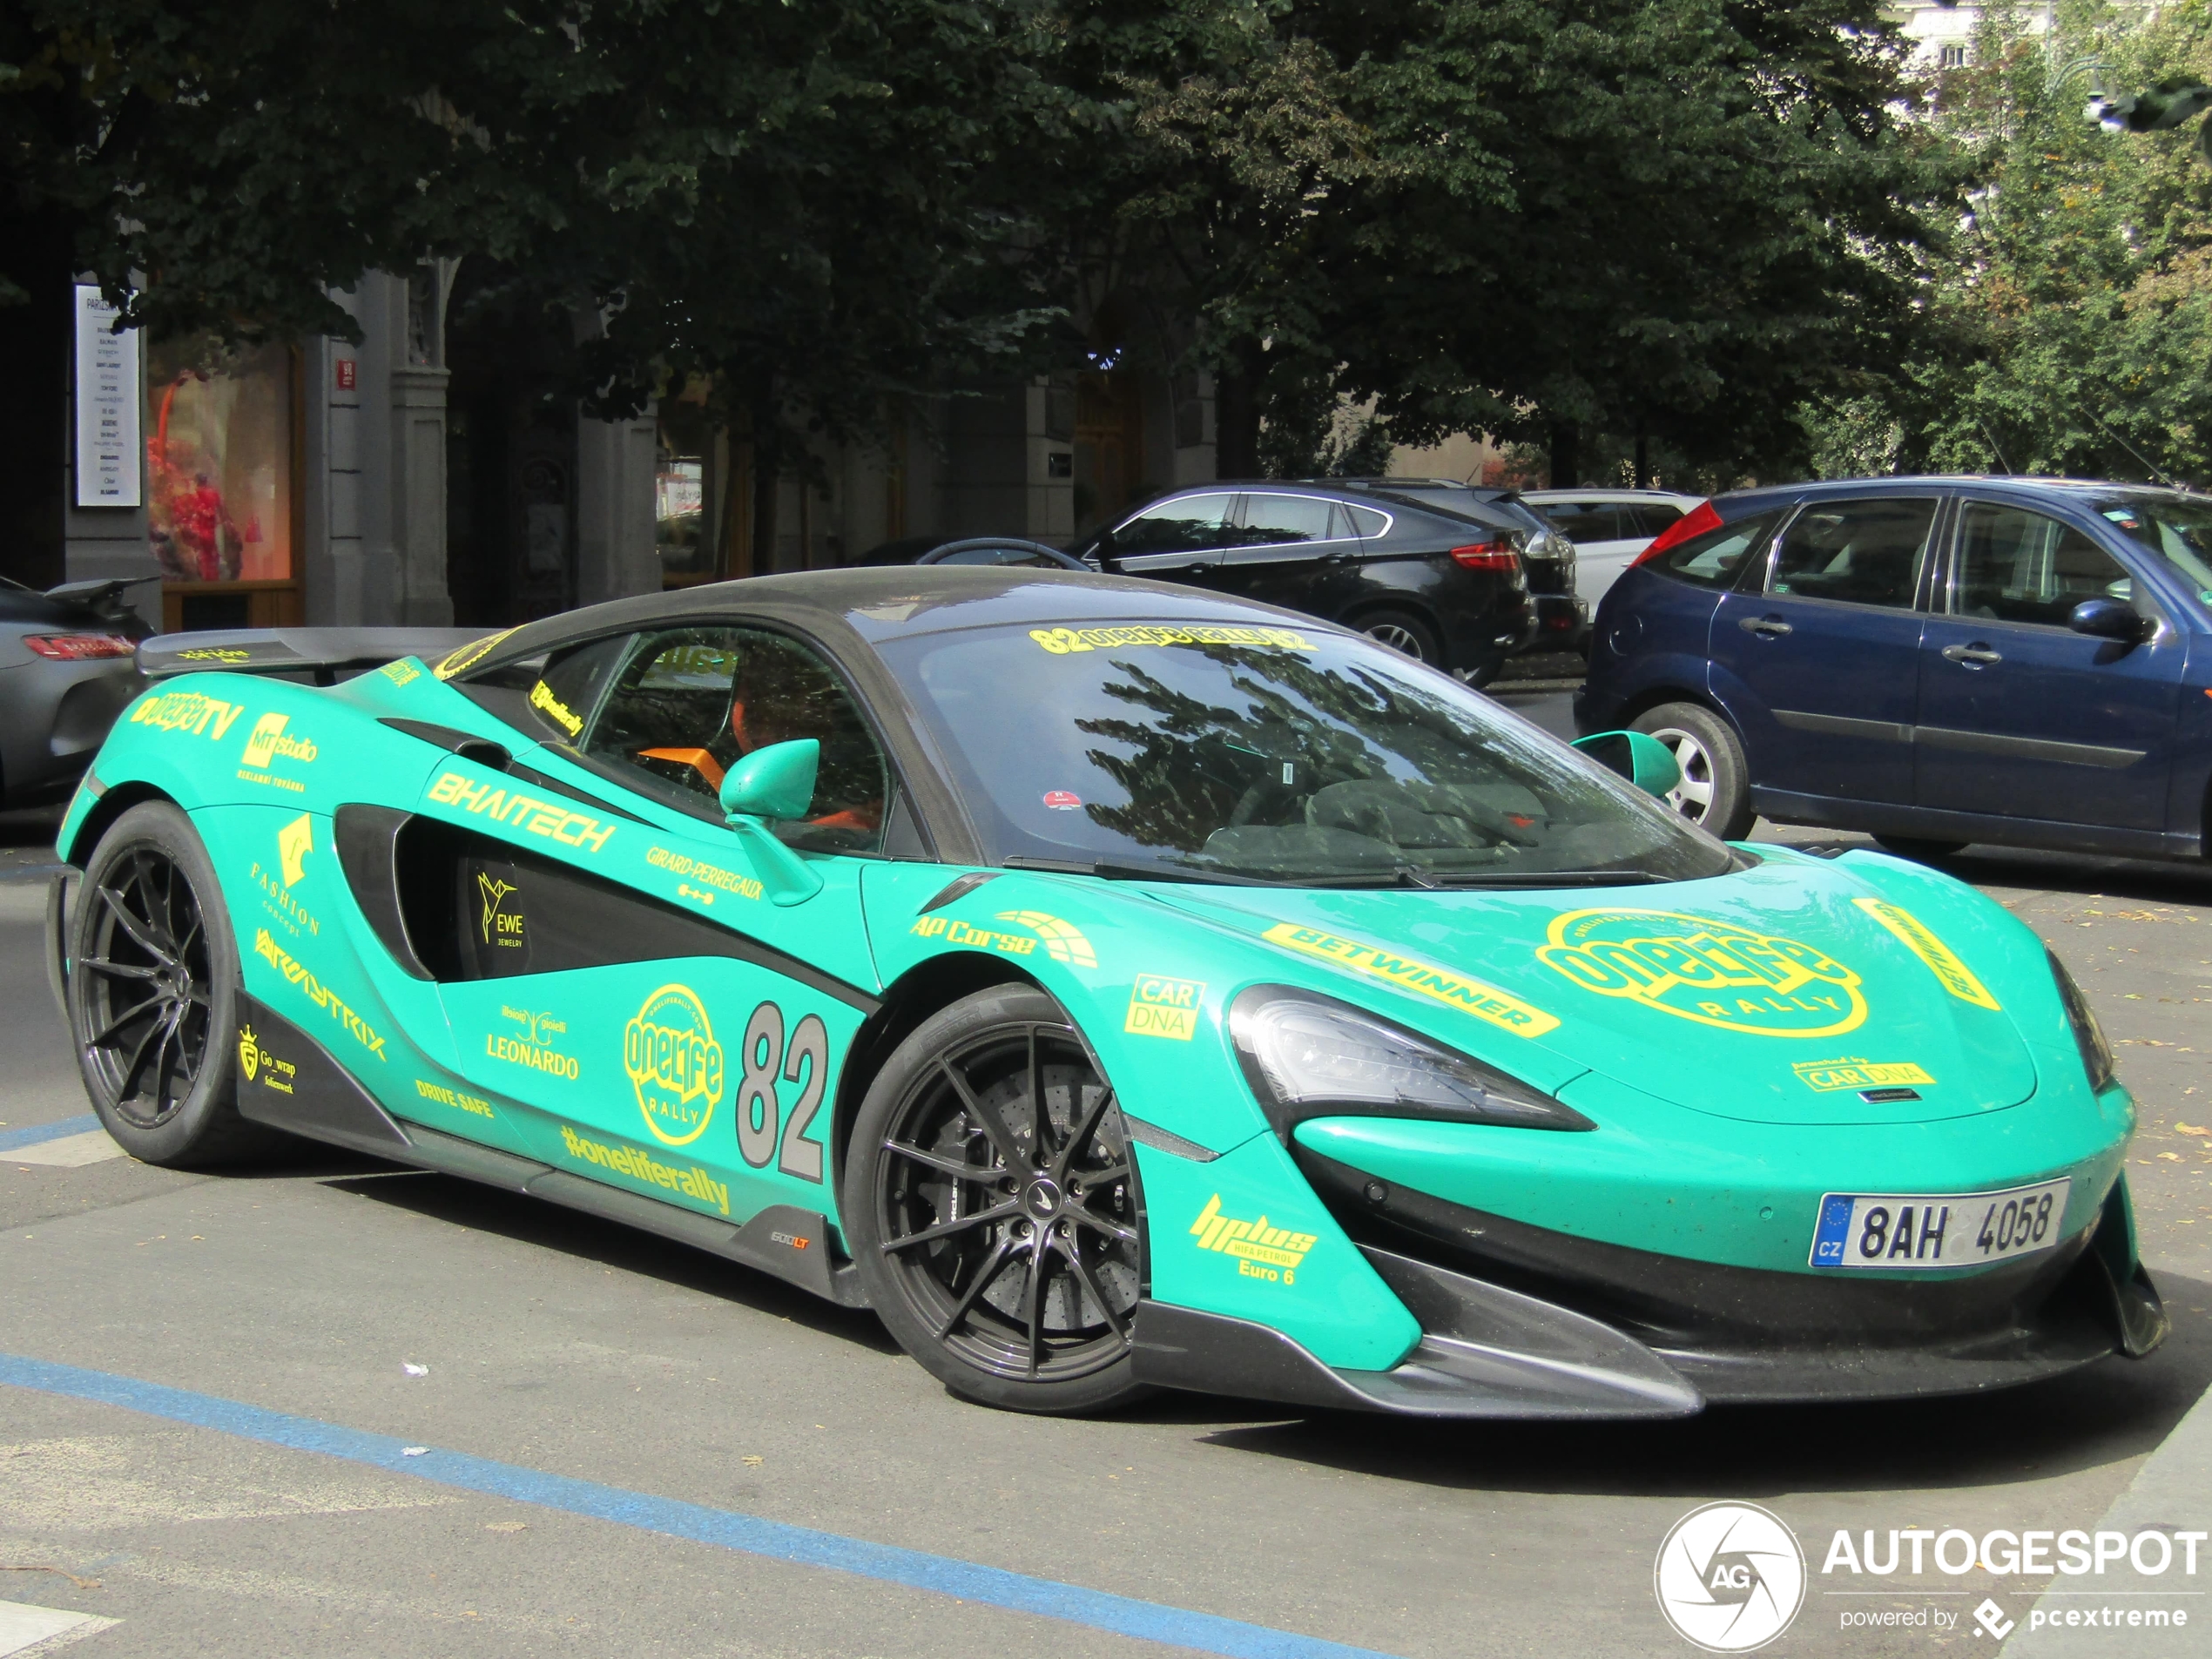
(68, 666)
(1608, 528)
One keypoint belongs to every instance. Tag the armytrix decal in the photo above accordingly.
(324, 998)
(674, 1064)
(545, 817)
(1260, 1250)
(1954, 975)
(189, 712)
(693, 1183)
(1469, 996)
(1716, 972)
(1159, 1007)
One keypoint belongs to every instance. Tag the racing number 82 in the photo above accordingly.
(758, 1109)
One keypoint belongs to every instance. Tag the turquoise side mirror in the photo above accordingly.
(775, 782)
(1644, 761)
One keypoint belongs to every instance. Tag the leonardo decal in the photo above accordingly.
(512, 807)
(1852, 1072)
(1063, 942)
(675, 1064)
(533, 1049)
(1262, 1251)
(1716, 972)
(1457, 990)
(1954, 975)
(313, 989)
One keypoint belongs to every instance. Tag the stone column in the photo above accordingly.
(419, 595)
(615, 473)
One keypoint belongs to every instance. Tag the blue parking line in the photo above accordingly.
(802, 1545)
(34, 1134)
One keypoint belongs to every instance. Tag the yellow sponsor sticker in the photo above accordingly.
(1953, 974)
(711, 875)
(1159, 1007)
(961, 933)
(694, 1182)
(542, 699)
(400, 672)
(1060, 642)
(316, 992)
(257, 1064)
(674, 1063)
(461, 661)
(1063, 942)
(460, 1101)
(546, 818)
(1261, 1252)
(1716, 972)
(294, 841)
(188, 711)
(215, 654)
(533, 1050)
(1854, 1072)
(1469, 996)
(268, 739)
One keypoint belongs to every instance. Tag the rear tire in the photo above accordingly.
(1715, 792)
(153, 996)
(1914, 846)
(1016, 1285)
(1404, 633)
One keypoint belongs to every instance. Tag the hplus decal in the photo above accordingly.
(1262, 1252)
(1716, 972)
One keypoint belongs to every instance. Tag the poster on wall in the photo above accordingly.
(107, 405)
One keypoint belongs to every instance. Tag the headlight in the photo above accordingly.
(1306, 1056)
(2097, 1058)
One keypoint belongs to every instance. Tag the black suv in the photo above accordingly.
(1444, 586)
(1562, 620)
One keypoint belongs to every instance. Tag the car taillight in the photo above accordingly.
(1488, 556)
(1696, 522)
(78, 648)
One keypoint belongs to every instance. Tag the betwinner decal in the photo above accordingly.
(468, 656)
(542, 699)
(1262, 1251)
(313, 989)
(1852, 1072)
(712, 875)
(1500, 1008)
(1063, 942)
(499, 921)
(675, 1064)
(693, 1183)
(1159, 1007)
(1060, 641)
(188, 711)
(1715, 973)
(1955, 976)
(400, 672)
(533, 1050)
(257, 1065)
(453, 1097)
(513, 808)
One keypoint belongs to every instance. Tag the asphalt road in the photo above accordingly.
(556, 1345)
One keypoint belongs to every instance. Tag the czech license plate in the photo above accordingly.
(1889, 1231)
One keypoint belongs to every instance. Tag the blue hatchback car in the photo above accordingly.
(1935, 661)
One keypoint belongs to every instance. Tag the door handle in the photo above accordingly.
(1766, 627)
(1971, 655)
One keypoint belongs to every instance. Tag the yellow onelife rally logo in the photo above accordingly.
(1955, 976)
(294, 841)
(1500, 1008)
(1262, 1251)
(1063, 942)
(674, 1064)
(1716, 972)
(1159, 1007)
(268, 740)
(693, 1183)
(543, 699)
(1853, 1072)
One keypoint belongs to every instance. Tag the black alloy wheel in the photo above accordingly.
(994, 1209)
(1404, 633)
(152, 994)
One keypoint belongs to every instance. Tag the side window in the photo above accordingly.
(1583, 522)
(2019, 566)
(1717, 557)
(1367, 523)
(689, 702)
(1649, 518)
(1272, 521)
(1184, 524)
(1862, 552)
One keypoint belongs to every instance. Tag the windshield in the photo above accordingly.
(1243, 753)
(2177, 527)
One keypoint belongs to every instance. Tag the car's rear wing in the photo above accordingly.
(313, 656)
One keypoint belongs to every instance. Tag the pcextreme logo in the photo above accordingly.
(1262, 1251)
(1063, 942)
(675, 1065)
(1716, 972)
(1730, 1577)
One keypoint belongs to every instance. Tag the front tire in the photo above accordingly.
(993, 1209)
(1715, 792)
(154, 991)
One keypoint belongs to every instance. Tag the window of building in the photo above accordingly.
(1951, 58)
(222, 466)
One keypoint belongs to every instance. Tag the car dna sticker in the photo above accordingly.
(1716, 972)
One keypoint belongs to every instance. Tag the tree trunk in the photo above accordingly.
(1236, 393)
(767, 477)
(1567, 455)
(1643, 461)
